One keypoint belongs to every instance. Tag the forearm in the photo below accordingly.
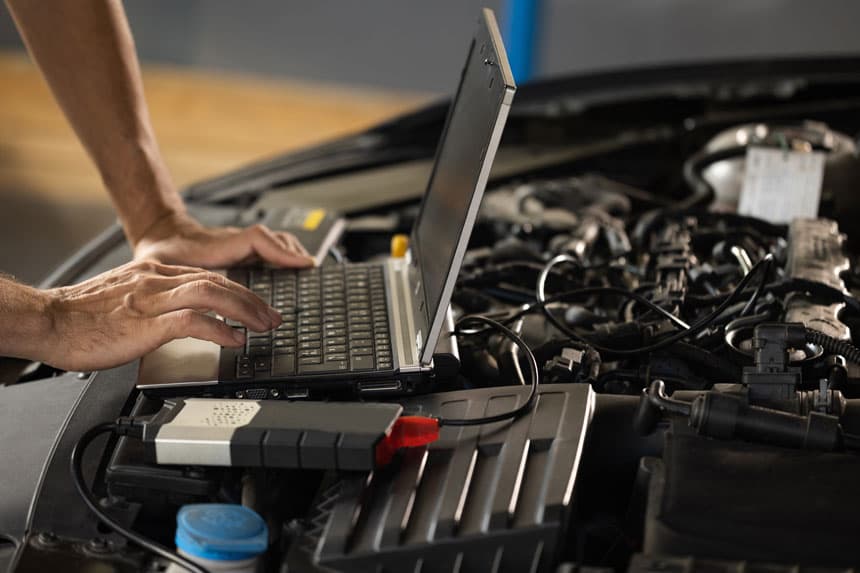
(86, 53)
(25, 320)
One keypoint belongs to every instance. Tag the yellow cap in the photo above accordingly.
(399, 246)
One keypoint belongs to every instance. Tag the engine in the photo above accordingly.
(698, 405)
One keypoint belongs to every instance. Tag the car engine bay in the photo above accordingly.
(698, 404)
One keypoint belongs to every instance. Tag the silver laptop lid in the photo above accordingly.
(461, 168)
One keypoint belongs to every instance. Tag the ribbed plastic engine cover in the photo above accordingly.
(481, 498)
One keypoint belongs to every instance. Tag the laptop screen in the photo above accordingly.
(463, 158)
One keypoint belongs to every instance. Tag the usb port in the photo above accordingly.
(297, 394)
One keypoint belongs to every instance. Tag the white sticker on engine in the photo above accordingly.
(780, 185)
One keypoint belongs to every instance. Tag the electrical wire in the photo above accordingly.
(559, 259)
(834, 345)
(765, 273)
(699, 326)
(534, 373)
(76, 467)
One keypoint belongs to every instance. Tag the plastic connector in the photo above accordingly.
(407, 432)
(132, 427)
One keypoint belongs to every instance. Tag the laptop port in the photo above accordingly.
(255, 394)
(297, 394)
(372, 387)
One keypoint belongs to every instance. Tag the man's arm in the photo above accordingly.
(123, 314)
(86, 53)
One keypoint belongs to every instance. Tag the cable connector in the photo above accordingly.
(406, 432)
(128, 426)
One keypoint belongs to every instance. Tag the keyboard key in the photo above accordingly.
(334, 331)
(262, 363)
(307, 361)
(284, 365)
(362, 362)
(334, 366)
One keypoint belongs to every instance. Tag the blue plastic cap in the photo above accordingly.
(220, 531)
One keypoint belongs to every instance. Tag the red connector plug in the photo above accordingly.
(406, 432)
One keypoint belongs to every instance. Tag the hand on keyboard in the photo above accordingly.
(129, 311)
(178, 239)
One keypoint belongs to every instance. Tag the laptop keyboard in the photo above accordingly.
(335, 320)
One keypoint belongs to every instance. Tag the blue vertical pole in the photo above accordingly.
(521, 36)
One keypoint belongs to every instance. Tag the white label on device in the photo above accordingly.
(201, 432)
(780, 185)
(209, 413)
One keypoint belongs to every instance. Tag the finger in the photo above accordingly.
(294, 244)
(160, 288)
(177, 270)
(185, 323)
(152, 266)
(205, 296)
(266, 244)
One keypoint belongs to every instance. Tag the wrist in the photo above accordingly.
(141, 188)
(170, 224)
(27, 321)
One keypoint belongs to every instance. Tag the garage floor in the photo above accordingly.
(51, 199)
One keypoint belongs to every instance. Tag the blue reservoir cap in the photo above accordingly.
(220, 531)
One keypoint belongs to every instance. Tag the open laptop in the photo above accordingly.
(371, 327)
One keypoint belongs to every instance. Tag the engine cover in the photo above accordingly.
(484, 498)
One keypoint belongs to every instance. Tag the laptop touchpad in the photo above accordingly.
(180, 361)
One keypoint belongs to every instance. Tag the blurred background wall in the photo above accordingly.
(415, 44)
(230, 82)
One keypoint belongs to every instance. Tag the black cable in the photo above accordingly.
(765, 273)
(540, 291)
(76, 467)
(534, 372)
(703, 192)
(693, 330)
(834, 345)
